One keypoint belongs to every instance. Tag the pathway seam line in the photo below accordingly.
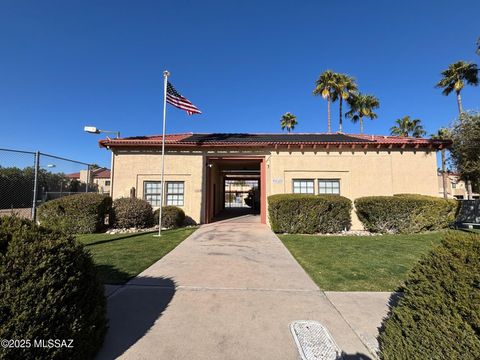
(207, 288)
(350, 326)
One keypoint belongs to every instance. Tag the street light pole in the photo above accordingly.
(35, 186)
(95, 130)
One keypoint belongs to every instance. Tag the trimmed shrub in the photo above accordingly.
(189, 221)
(76, 214)
(309, 214)
(49, 289)
(172, 217)
(132, 212)
(405, 213)
(439, 315)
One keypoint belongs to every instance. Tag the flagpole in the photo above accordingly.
(166, 74)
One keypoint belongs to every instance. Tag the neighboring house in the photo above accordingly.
(238, 189)
(456, 188)
(99, 177)
(197, 166)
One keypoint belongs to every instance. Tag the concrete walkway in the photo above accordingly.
(229, 291)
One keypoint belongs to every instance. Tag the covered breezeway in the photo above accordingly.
(235, 186)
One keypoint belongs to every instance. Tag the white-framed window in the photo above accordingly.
(175, 193)
(152, 191)
(303, 186)
(329, 186)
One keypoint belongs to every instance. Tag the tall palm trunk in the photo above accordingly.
(340, 123)
(328, 115)
(361, 125)
(444, 178)
(459, 102)
(469, 190)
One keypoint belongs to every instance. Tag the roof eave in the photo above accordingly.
(436, 145)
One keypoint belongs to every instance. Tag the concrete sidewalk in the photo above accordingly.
(229, 291)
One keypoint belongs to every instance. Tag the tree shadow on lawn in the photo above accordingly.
(357, 356)
(132, 310)
(392, 302)
(118, 238)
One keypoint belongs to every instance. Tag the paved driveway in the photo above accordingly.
(229, 291)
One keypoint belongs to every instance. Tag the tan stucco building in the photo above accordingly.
(99, 177)
(455, 188)
(197, 166)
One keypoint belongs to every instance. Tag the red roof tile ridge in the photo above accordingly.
(282, 139)
(270, 133)
(103, 173)
(146, 137)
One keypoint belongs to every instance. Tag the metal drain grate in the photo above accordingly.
(314, 342)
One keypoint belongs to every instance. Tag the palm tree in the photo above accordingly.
(362, 105)
(288, 121)
(407, 127)
(325, 86)
(455, 78)
(443, 134)
(345, 87)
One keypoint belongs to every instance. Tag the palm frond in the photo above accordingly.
(288, 121)
(407, 127)
(441, 134)
(457, 75)
(362, 105)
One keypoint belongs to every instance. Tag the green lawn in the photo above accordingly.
(122, 256)
(359, 263)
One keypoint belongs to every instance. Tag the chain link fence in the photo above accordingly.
(29, 179)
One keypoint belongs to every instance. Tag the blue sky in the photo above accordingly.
(66, 64)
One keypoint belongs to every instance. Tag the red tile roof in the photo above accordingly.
(101, 173)
(73, 175)
(275, 141)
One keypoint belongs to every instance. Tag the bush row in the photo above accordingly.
(133, 212)
(86, 213)
(405, 213)
(289, 213)
(309, 214)
(49, 289)
(76, 214)
(439, 315)
(172, 217)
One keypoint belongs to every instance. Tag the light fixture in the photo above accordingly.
(95, 130)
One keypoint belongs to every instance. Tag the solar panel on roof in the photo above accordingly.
(270, 138)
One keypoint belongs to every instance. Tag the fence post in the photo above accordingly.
(35, 186)
(88, 179)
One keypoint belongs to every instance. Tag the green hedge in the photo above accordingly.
(439, 314)
(79, 214)
(405, 213)
(132, 212)
(309, 214)
(172, 217)
(49, 289)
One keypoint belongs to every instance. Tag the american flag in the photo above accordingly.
(177, 100)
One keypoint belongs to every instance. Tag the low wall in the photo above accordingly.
(21, 212)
